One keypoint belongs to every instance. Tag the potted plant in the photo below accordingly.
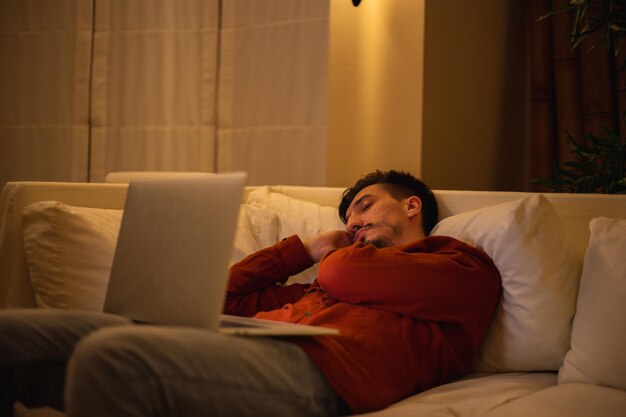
(599, 164)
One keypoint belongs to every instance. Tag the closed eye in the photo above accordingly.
(361, 205)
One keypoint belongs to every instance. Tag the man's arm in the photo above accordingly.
(432, 279)
(321, 245)
(252, 286)
(254, 283)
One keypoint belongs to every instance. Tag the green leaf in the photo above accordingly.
(585, 167)
(552, 185)
(568, 174)
(599, 167)
(553, 12)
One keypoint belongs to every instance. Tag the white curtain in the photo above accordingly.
(273, 90)
(154, 83)
(45, 55)
(95, 86)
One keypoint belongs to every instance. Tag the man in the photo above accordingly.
(412, 311)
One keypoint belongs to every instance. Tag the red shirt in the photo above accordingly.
(411, 317)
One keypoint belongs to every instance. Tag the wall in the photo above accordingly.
(475, 133)
(375, 88)
(435, 87)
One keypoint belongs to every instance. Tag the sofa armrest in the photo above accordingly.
(15, 286)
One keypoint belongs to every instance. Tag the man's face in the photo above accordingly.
(375, 217)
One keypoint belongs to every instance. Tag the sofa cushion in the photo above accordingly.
(70, 249)
(297, 217)
(472, 396)
(69, 252)
(566, 400)
(599, 330)
(526, 240)
(256, 229)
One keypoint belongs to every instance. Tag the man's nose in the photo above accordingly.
(354, 223)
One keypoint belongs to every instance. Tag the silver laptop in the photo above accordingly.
(171, 260)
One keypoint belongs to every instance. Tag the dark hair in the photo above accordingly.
(399, 185)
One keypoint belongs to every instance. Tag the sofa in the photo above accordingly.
(556, 344)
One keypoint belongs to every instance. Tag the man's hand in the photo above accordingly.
(327, 241)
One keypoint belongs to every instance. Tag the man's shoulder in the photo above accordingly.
(444, 244)
(448, 245)
(437, 242)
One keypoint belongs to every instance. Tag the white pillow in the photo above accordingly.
(298, 217)
(526, 240)
(599, 331)
(70, 249)
(69, 252)
(256, 229)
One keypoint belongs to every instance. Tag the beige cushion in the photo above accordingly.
(525, 239)
(470, 397)
(597, 353)
(69, 252)
(70, 249)
(566, 400)
(297, 217)
(256, 229)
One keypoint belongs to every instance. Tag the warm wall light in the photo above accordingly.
(356, 2)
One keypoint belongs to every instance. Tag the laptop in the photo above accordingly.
(171, 260)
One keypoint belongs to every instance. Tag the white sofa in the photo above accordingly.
(555, 347)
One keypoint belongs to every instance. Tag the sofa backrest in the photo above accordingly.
(575, 211)
(15, 287)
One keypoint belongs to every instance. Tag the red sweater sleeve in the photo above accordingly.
(254, 283)
(437, 278)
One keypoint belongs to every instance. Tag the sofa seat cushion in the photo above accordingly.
(471, 396)
(571, 400)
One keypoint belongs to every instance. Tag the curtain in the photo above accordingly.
(154, 86)
(45, 55)
(94, 86)
(572, 91)
(273, 90)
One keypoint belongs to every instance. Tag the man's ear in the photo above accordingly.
(413, 206)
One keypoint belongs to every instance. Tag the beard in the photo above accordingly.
(384, 241)
(380, 242)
